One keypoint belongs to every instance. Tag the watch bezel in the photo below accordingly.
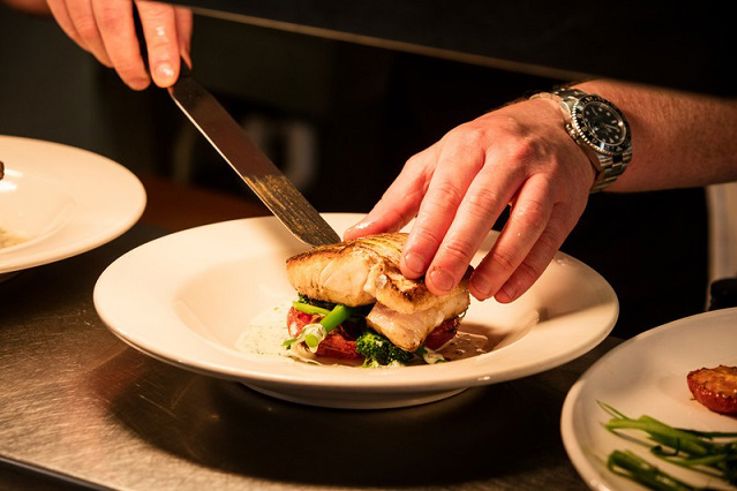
(591, 140)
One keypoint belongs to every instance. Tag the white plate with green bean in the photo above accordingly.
(622, 421)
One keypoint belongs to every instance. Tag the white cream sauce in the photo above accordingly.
(266, 332)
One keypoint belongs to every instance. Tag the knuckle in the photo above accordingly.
(503, 260)
(527, 273)
(472, 136)
(416, 164)
(87, 29)
(155, 10)
(551, 240)
(548, 243)
(458, 251)
(524, 150)
(427, 237)
(108, 18)
(413, 162)
(482, 204)
(531, 211)
(466, 136)
(162, 47)
(446, 195)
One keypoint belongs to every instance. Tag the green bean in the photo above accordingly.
(335, 317)
(695, 450)
(309, 309)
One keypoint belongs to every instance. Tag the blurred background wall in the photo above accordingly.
(341, 120)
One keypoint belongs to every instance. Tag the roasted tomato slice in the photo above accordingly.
(715, 388)
(296, 320)
(443, 333)
(337, 344)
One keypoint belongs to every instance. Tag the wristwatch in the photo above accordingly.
(599, 128)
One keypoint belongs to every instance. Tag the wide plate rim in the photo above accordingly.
(431, 377)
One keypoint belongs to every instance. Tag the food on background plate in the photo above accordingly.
(705, 452)
(355, 305)
(7, 239)
(715, 388)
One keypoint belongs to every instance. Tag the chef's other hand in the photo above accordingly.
(457, 188)
(106, 29)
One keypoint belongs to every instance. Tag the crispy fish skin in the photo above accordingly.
(366, 271)
(361, 272)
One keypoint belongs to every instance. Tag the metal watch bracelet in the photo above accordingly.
(608, 167)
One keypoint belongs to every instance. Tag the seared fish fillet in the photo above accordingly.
(366, 271)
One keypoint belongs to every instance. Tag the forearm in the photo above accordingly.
(679, 140)
(30, 6)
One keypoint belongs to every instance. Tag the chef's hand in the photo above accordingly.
(106, 29)
(457, 188)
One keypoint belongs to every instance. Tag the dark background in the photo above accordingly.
(369, 109)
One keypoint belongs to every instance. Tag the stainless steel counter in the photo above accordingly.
(80, 408)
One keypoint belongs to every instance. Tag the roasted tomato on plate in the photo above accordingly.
(715, 388)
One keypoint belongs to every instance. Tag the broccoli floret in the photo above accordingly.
(316, 303)
(378, 350)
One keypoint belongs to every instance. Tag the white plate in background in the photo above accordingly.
(61, 201)
(188, 297)
(647, 375)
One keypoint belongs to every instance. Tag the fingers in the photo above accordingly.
(59, 11)
(184, 33)
(534, 232)
(115, 22)
(486, 198)
(539, 257)
(77, 20)
(159, 23)
(106, 29)
(516, 154)
(458, 163)
(400, 202)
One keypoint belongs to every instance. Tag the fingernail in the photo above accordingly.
(507, 293)
(139, 83)
(442, 280)
(482, 288)
(355, 230)
(362, 225)
(165, 72)
(414, 262)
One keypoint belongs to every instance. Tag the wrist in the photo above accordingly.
(599, 129)
(574, 155)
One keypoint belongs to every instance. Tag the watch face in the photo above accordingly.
(600, 125)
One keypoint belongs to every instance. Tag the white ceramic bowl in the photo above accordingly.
(188, 297)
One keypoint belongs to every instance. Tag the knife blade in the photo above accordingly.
(250, 163)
